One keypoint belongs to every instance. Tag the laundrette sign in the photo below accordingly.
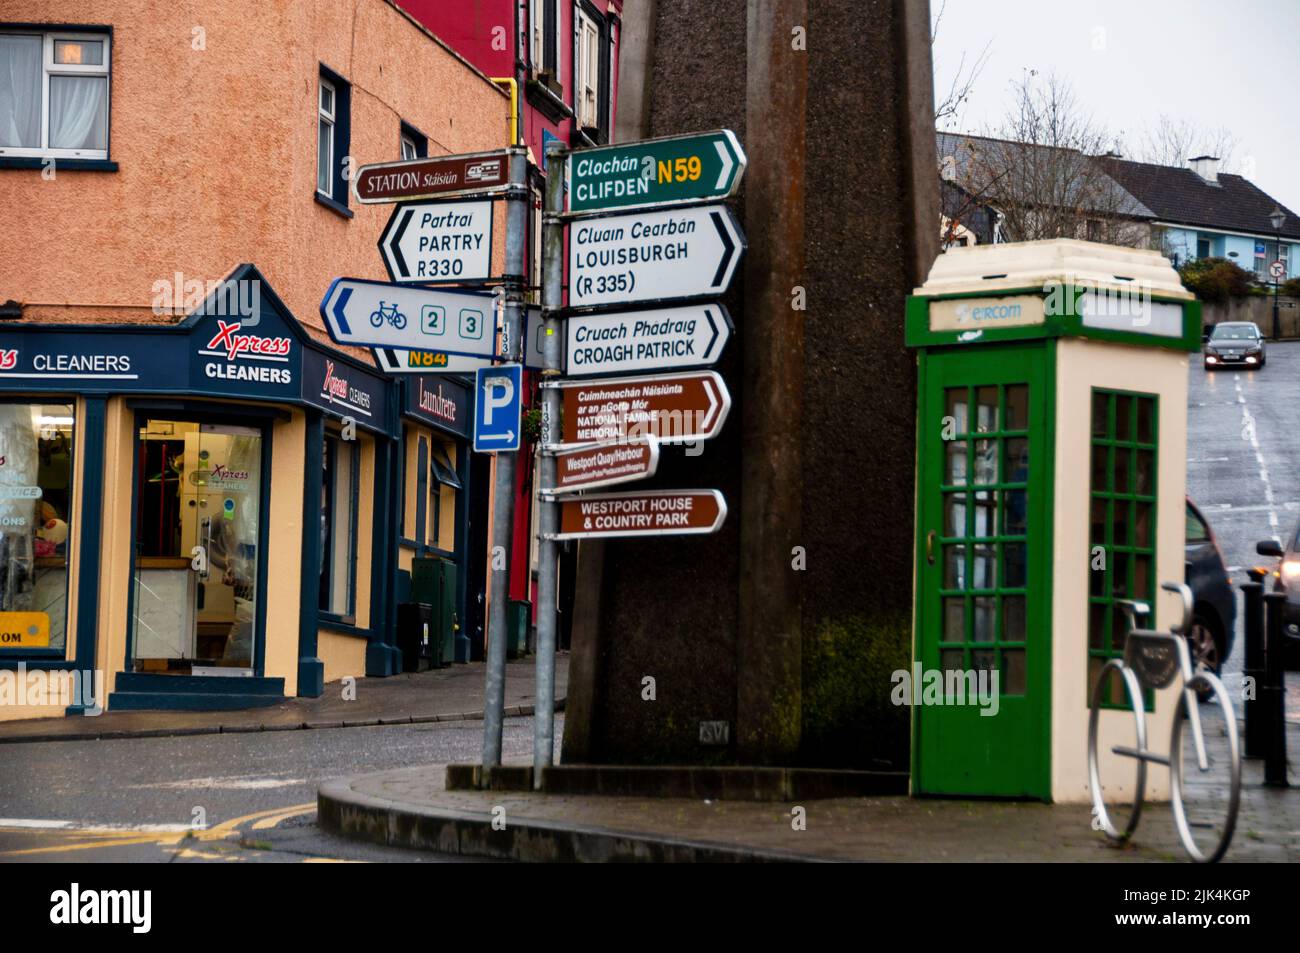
(440, 402)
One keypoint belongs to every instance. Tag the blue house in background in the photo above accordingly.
(1198, 212)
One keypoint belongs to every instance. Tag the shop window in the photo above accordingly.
(443, 486)
(1122, 521)
(36, 443)
(54, 94)
(338, 527)
(333, 134)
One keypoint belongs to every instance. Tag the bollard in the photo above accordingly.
(1253, 669)
(1273, 695)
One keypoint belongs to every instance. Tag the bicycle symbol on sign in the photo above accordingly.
(390, 313)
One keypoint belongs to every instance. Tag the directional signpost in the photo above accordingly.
(427, 242)
(649, 513)
(653, 255)
(675, 408)
(498, 408)
(632, 341)
(377, 314)
(606, 465)
(396, 360)
(656, 172)
(665, 244)
(428, 177)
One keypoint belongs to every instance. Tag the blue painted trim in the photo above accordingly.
(422, 491)
(311, 670)
(461, 557)
(332, 205)
(60, 164)
(90, 537)
(343, 627)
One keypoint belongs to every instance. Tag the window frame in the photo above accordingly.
(329, 117)
(334, 443)
(418, 140)
(15, 654)
(1111, 493)
(544, 40)
(48, 35)
(340, 141)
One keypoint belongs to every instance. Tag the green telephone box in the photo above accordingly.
(1051, 462)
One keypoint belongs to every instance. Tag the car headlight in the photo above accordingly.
(1211, 359)
(1290, 570)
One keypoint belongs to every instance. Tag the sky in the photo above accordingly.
(1232, 63)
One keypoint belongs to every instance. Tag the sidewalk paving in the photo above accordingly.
(448, 694)
(411, 808)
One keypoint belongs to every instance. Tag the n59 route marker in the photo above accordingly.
(656, 172)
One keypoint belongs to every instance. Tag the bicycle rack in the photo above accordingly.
(1153, 660)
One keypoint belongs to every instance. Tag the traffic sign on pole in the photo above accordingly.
(675, 408)
(590, 467)
(640, 341)
(656, 172)
(396, 360)
(1277, 269)
(378, 314)
(498, 408)
(647, 513)
(654, 255)
(427, 242)
(437, 176)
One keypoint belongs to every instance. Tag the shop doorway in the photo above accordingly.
(198, 517)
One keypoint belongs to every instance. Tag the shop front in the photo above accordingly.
(194, 515)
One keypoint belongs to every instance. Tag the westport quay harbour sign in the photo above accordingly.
(675, 408)
(653, 255)
(656, 172)
(428, 177)
(646, 513)
(640, 341)
(606, 465)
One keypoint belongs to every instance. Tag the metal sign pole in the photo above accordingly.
(552, 278)
(516, 270)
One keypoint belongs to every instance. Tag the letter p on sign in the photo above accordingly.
(498, 408)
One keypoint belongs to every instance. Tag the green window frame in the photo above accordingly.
(984, 536)
(1123, 486)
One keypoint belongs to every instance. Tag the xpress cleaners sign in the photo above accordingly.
(247, 356)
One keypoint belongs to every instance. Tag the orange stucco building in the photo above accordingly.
(194, 481)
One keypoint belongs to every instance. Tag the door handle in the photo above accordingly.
(929, 547)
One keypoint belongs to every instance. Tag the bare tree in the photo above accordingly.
(1173, 141)
(947, 108)
(1040, 168)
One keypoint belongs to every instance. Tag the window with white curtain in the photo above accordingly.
(54, 91)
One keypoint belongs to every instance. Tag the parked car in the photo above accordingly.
(1286, 578)
(1234, 344)
(1214, 612)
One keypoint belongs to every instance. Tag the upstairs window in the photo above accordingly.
(544, 41)
(587, 72)
(54, 93)
(333, 135)
(414, 144)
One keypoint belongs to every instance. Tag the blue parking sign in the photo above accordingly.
(498, 405)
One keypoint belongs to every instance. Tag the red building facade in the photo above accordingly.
(560, 60)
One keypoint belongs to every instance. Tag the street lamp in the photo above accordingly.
(1276, 218)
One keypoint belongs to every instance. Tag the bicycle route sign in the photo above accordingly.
(432, 242)
(383, 315)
